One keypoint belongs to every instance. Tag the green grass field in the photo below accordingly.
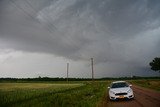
(151, 84)
(60, 94)
(87, 94)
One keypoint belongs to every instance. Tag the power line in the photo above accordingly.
(32, 17)
(17, 6)
(49, 28)
(51, 25)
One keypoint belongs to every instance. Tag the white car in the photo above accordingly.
(120, 90)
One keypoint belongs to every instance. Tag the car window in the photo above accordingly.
(119, 85)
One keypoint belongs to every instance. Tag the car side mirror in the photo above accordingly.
(130, 85)
(108, 87)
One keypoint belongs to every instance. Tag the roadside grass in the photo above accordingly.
(147, 83)
(87, 94)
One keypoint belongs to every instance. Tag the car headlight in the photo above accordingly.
(112, 92)
(129, 91)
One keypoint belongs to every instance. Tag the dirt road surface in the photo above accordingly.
(143, 98)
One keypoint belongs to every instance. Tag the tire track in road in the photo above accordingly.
(139, 103)
(147, 97)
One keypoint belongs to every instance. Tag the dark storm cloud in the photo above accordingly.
(121, 31)
(107, 24)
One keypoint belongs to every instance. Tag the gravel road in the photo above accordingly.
(143, 98)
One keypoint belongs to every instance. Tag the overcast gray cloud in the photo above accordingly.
(118, 34)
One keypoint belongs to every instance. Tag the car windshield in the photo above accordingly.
(119, 85)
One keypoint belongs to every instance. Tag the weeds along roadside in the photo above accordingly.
(153, 84)
(87, 95)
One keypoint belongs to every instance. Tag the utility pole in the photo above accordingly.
(92, 69)
(67, 70)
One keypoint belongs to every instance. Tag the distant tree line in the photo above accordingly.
(40, 79)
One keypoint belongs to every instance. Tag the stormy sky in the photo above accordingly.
(39, 37)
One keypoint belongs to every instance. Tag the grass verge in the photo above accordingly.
(51, 95)
(147, 83)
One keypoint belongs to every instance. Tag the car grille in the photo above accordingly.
(121, 94)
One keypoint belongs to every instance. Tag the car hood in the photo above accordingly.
(120, 90)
